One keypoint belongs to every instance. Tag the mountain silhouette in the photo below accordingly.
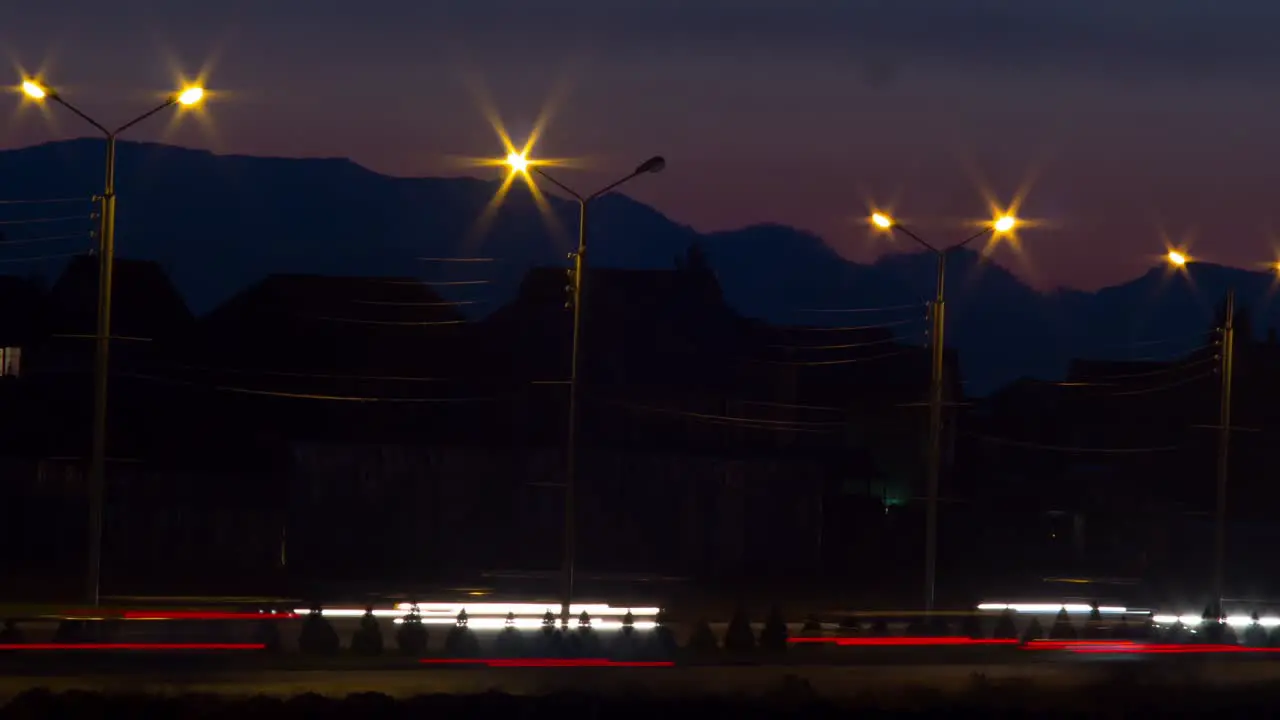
(219, 223)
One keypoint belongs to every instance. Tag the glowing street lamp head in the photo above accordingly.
(1176, 258)
(518, 162)
(191, 96)
(34, 90)
(881, 220)
(1005, 224)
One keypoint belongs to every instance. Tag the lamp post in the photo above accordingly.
(1226, 369)
(521, 164)
(102, 336)
(1000, 225)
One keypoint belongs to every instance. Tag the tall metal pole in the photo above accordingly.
(102, 347)
(652, 165)
(1224, 445)
(936, 382)
(102, 337)
(571, 442)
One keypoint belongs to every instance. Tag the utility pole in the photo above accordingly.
(520, 164)
(934, 463)
(1000, 225)
(1227, 358)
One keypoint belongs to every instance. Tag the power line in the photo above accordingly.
(40, 258)
(762, 422)
(887, 308)
(438, 283)
(391, 323)
(1167, 386)
(788, 406)
(45, 202)
(1070, 449)
(850, 328)
(1168, 369)
(846, 346)
(848, 361)
(457, 259)
(47, 238)
(393, 303)
(37, 221)
(344, 376)
(308, 396)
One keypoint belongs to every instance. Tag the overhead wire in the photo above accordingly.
(48, 201)
(41, 258)
(6, 242)
(1167, 386)
(308, 396)
(1070, 449)
(843, 361)
(44, 220)
(760, 423)
(884, 309)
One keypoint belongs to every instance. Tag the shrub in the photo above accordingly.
(971, 627)
(774, 634)
(318, 636)
(12, 634)
(738, 638)
(812, 627)
(585, 642)
(1093, 626)
(1034, 631)
(702, 641)
(70, 631)
(662, 641)
(461, 641)
(1121, 630)
(1255, 635)
(510, 642)
(411, 638)
(367, 640)
(1006, 628)
(916, 628)
(268, 634)
(1062, 628)
(937, 626)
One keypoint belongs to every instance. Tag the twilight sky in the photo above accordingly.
(1123, 118)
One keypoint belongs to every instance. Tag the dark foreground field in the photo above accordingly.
(788, 700)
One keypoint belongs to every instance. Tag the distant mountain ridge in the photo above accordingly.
(218, 223)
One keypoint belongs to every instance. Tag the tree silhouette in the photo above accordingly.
(411, 638)
(1005, 628)
(318, 636)
(367, 640)
(1062, 628)
(774, 634)
(738, 638)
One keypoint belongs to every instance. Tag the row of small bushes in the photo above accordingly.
(319, 637)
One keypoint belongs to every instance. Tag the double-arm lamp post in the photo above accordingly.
(1226, 368)
(102, 336)
(519, 163)
(1001, 225)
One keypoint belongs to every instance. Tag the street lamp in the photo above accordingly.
(1180, 259)
(102, 337)
(518, 162)
(1000, 225)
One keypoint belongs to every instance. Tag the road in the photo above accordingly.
(830, 682)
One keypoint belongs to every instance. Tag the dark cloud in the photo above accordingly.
(1233, 37)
